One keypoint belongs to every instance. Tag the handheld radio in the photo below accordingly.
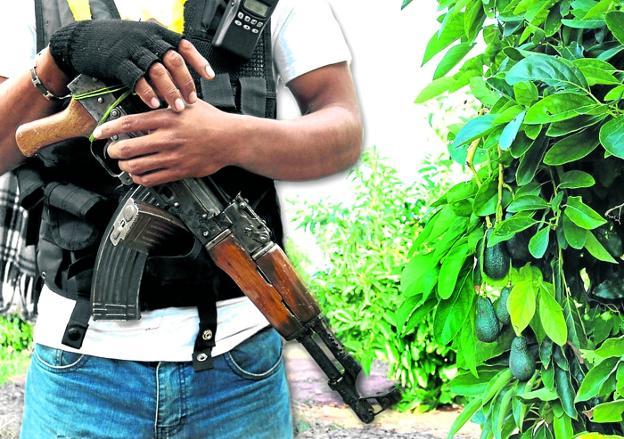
(242, 24)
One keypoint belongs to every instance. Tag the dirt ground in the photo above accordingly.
(321, 415)
(318, 411)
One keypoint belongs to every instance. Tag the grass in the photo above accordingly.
(13, 364)
(15, 346)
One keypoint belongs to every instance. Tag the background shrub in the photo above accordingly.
(15, 345)
(366, 244)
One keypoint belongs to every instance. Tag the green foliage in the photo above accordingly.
(15, 345)
(545, 153)
(366, 244)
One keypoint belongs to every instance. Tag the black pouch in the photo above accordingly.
(71, 228)
(30, 181)
(73, 216)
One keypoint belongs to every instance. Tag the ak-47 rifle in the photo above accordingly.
(236, 238)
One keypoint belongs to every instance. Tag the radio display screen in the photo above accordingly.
(256, 7)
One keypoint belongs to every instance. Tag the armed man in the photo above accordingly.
(212, 98)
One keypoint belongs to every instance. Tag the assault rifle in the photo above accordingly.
(236, 238)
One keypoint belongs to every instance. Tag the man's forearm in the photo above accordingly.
(316, 145)
(325, 140)
(203, 139)
(21, 102)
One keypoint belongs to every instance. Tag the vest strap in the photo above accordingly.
(103, 10)
(218, 91)
(198, 15)
(205, 341)
(253, 96)
(40, 26)
(77, 284)
(76, 329)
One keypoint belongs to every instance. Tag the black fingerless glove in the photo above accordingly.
(116, 50)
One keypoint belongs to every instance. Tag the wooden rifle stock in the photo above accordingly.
(73, 121)
(277, 291)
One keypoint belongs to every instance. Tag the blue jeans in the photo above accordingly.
(81, 397)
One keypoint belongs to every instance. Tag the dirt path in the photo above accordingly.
(11, 400)
(319, 413)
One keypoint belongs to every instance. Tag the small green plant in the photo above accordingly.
(366, 243)
(15, 345)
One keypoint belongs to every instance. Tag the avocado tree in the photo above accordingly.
(521, 265)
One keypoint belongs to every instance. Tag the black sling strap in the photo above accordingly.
(41, 38)
(205, 340)
(51, 15)
(104, 9)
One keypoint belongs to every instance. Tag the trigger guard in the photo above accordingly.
(98, 150)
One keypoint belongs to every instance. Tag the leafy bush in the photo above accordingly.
(538, 227)
(15, 344)
(366, 244)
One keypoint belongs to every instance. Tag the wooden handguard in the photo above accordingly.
(277, 268)
(74, 121)
(274, 300)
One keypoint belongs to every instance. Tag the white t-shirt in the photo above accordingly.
(305, 36)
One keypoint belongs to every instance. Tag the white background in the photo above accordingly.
(387, 44)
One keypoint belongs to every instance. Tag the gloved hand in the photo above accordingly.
(117, 50)
(132, 53)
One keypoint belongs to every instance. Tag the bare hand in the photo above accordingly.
(171, 80)
(194, 143)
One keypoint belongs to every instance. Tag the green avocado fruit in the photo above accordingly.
(518, 246)
(495, 260)
(521, 362)
(610, 289)
(500, 307)
(518, 249)
(486, 323)
(614, 244)
(610, 239)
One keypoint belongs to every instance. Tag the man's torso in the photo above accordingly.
(168, 334)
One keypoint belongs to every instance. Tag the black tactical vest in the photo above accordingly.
(74, 197)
